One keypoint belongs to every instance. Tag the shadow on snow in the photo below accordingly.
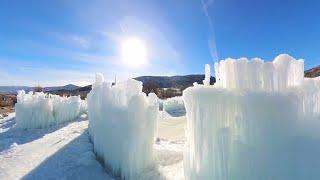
(22, 136)
(75, 160)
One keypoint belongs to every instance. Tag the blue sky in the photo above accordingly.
(63, 41)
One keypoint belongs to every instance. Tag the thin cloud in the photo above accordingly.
(212, 40)
(76, 40)
(80, 41)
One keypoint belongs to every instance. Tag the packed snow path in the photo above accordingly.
(168, 148)
(58, 152)
(65, 151)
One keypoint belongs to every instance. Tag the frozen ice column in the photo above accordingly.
(283, 72)
(237, 134)
(207, 75)
(122, 124)
(39, 110)
(254, 123)
(173, 104)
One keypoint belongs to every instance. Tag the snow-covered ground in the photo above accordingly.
(168, 148)
(65, 151)
(58, 152)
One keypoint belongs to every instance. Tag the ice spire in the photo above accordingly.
(206, 80)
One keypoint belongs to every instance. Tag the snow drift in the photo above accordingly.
(259, 121)
(122, 124)
(38, 110)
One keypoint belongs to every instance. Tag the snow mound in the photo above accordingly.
(174, 106)
(122, 124)
(259, 121)
(39, 110)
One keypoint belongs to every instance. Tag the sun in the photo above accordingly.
(134, 52)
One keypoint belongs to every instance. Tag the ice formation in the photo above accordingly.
(207, 75)
(174, 106)
(282, 73)
(38, 110)
(122, 124)
(259, 121)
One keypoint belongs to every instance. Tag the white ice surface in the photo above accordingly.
(207, 77)
(260, 120)
(255, 74)
(122, 125)
(38, 110)
(174, 106)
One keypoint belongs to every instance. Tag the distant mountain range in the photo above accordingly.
(151, 82)
(69, 87)
(314, 72)
(14, 89)
(179, 82)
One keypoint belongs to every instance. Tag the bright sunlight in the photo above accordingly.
(134, 52)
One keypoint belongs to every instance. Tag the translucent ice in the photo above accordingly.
(174, 106)
(283, 72)
(207, 76)
(38, 110)
(122, 124)
(259, 121)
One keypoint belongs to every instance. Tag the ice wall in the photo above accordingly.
(260, 120)
(38, 110)
(174, 106)
(122, 124)
(309, 97)
(283, 72)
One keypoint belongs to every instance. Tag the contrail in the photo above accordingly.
(212, 39)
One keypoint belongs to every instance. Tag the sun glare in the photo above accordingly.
(134, 52)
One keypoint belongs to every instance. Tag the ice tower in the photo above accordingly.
(257, 122)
